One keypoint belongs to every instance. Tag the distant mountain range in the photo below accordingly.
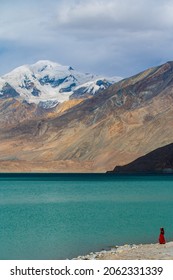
(92, 130)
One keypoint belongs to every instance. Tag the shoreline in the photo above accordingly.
(133, 252)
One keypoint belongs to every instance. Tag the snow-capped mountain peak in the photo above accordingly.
(42, 65)
(50, 82)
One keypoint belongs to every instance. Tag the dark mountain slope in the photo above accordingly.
(157, 161)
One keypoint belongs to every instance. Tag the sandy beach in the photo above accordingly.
(133, 252)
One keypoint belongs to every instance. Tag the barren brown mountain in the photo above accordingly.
(128, 120)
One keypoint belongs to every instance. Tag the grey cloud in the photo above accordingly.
(109, 37)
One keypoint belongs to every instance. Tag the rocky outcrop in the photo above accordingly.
(157, 161)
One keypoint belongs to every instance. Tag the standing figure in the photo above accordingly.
(161, 236)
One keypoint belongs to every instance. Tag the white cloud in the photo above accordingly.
(131, 15)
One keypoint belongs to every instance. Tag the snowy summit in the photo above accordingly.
(50, 83)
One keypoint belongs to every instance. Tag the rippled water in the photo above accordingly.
(63, 216)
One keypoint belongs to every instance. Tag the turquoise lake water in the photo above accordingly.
(63, 216)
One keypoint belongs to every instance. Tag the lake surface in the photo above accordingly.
(66, 215)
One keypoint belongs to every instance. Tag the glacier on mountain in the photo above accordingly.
(48, 83)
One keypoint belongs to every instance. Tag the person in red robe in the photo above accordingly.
(161, 236)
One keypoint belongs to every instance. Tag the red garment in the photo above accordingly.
(162, 239)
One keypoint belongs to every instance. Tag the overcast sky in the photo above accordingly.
(107, 37)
